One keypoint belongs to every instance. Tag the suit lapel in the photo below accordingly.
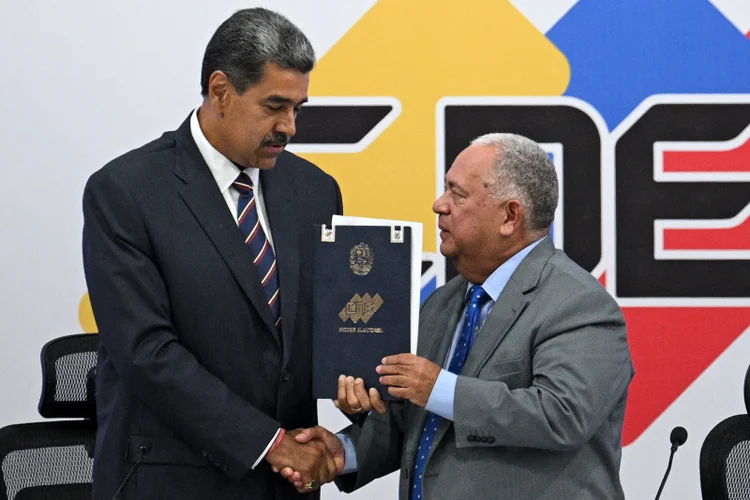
(506, 310)
(508, 307)
(279, 198)
(202, 196)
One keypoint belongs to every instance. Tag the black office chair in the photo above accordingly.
(725, 456)
(53, 460)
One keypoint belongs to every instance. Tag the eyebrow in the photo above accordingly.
(454, 184)
(285, 100)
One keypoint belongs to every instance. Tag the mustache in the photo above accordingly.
(278, 139)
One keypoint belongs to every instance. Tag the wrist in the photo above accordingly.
(277, 442)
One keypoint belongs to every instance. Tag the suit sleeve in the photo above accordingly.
(132, 311)
(378, 443)
(581, 368)
(339, 199)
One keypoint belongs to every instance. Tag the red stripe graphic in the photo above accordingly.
(735, 160)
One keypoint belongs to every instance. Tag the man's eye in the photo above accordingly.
(274, 108)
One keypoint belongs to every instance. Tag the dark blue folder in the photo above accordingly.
(362, 290)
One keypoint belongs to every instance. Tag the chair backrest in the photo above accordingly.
(725, 456)
(54, 460)
(51, 460)
(73, 491)
(69, 377)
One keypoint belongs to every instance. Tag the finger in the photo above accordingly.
(361, 394)
(274, 468)
(398, 392)
(341, 396)
(330, 469)
(306, 435)
(399, 359)
(303, 436)
(296, 478)
(287, 473)
(340, 464)
(306, 479)
(316, 432)
(391, 369)
(395, 381)
(377, 403)
(351, 399)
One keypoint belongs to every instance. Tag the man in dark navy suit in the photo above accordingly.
(195, 255)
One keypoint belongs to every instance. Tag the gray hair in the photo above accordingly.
(249, 39)
(522, 170)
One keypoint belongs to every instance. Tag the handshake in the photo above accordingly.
(309, 458)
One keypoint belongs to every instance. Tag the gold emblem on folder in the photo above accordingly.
(361, 259)
(361, 308)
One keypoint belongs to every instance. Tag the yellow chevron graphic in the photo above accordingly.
(420, 51)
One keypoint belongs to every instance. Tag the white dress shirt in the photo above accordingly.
(225, 173)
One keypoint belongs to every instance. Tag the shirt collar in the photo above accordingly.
(224, 171)
(496, 282)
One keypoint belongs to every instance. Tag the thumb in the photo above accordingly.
(308, 434)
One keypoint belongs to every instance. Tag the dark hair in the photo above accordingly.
(243, 45)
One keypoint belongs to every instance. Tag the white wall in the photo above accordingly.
(82, 82)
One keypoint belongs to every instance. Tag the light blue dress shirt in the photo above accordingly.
(443, 392)
(442, 397)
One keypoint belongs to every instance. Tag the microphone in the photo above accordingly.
(143, 452)
(677, 437)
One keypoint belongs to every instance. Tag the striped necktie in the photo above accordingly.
(256, 241)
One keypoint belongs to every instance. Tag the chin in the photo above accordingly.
(266, 163)
(447, 250)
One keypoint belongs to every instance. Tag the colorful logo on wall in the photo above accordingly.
(644, 107)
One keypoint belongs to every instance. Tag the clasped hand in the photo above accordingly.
(308, 458)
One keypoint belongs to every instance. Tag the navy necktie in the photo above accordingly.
(257, 243)
(477, 298)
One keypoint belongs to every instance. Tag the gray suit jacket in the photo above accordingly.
(539, 405)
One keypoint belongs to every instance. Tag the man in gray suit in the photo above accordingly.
(519, 387)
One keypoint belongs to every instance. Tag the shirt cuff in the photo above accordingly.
(266, 450)
(350, 454)
(443, 395)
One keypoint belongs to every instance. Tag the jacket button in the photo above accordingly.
(285, 376)
(204, 453)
